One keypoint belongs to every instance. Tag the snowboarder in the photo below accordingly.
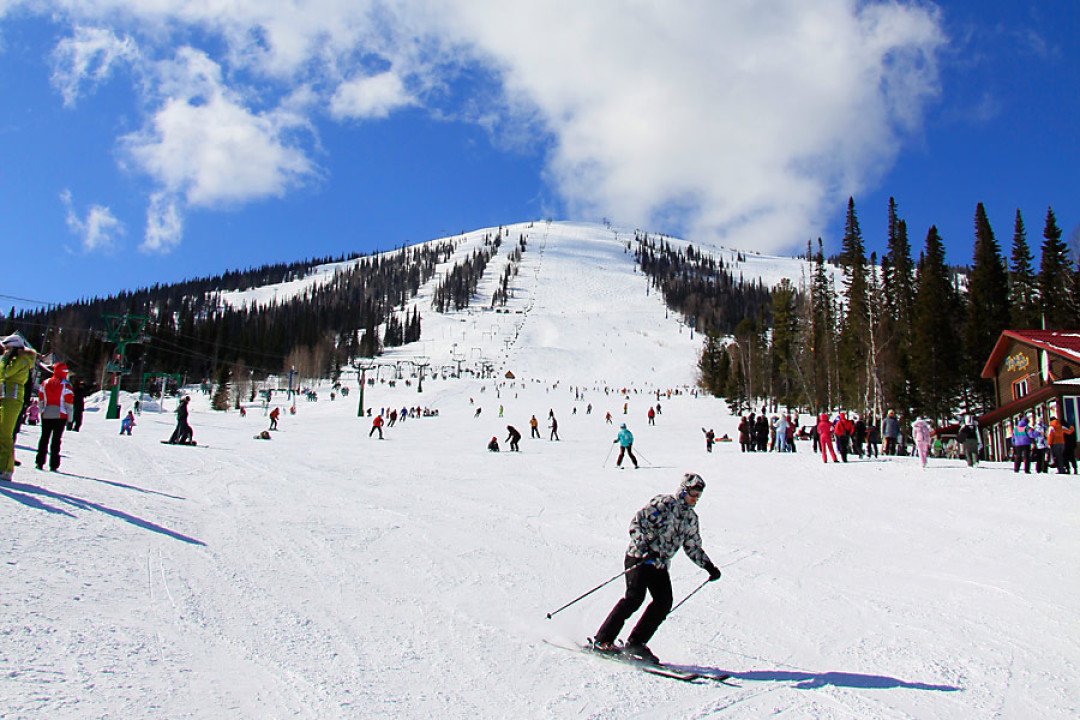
(657, 532)
(183, 433)
(274, 415)
(56, 398)
(493, 446)
(626, 445)
(127, 423)
(514, 437)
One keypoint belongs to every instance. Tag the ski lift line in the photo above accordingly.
(28, 300)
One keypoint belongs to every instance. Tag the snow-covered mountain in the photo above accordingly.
(326, 574)
(579, 309)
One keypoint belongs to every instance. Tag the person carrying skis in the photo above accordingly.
(657, 532)
(626, 446)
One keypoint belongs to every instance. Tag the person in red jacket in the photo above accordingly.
(376, 424)
(825, 437)
(843, 429)
(56, 399)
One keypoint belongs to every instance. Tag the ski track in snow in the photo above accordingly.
(326, 574)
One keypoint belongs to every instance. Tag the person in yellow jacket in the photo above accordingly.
(15, 366)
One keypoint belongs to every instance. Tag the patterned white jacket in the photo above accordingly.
(663, 526)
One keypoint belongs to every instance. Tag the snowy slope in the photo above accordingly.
(326, 574)
(576, 284)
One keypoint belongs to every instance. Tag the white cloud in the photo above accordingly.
(164, 224)
(98, 230)
(89, 55)
(370, 97)
(203, 142)
(743, 120)
(733, 119)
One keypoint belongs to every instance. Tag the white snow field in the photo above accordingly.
(328, 574)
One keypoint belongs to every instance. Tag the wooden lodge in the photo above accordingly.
(1036, 373)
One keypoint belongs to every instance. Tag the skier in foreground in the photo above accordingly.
(657, 532)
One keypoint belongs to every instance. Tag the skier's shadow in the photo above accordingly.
(38, 499)
(811, 681)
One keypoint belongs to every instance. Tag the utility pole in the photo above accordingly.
(123, 330)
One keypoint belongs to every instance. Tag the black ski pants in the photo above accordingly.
(52, 430)
(1022, 455)
(641, 579)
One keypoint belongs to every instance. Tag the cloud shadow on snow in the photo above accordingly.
(29, 495)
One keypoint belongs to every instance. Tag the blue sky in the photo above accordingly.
(146, 143)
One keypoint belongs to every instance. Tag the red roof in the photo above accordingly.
(1059, 342)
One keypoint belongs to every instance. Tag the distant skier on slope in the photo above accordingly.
(626, 445)
(657, 532)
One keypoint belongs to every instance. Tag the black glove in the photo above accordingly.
(714, 572)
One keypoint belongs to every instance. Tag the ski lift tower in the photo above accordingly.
(123, 330)
(421, 362)
(363, 365)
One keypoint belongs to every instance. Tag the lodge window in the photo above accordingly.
(1020, 388)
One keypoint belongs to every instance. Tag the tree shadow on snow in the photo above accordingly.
(811, 681)
(29, 495)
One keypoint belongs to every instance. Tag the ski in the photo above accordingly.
(658, 669)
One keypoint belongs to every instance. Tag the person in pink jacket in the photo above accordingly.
(920, 433)
(825, 437)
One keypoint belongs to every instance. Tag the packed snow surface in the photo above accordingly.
(328, 574)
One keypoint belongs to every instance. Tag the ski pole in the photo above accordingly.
(608, 457)
(706, 580)
(582, 597)
(645, 459)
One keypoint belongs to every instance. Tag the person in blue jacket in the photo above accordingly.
(1021, 442)
(626, 445)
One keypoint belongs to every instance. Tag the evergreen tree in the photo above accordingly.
(935, 353)
(1023, 290)
(784, 339)
(714, 365)
(822, 333)
(898, 297)
(853, 341)
(220, 400)
(987, 308)
(1054, 279)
